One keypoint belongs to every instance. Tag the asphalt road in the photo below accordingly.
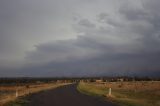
(65, 96)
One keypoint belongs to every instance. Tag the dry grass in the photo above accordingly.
(126, 93)
(138, 85)
(8, 93)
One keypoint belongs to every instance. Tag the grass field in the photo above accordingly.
(125, 93)
(8, 93)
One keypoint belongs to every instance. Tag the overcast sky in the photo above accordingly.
(79, 38)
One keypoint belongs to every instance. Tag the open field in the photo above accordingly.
(8, 93)
(136, 93)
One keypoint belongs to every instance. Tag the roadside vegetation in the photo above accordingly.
(137, 93)
(20, 101)
(9, 97)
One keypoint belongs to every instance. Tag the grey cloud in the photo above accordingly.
(24, 24)
(126, 64)
(61, 51)
(134, 13)
(102, 17)
(86, 23)
(123, 42)
(108, 19)
(108, 50)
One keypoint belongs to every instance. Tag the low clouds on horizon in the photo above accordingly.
(79, 38)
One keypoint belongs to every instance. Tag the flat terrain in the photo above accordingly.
(137, 93)
(65, 96)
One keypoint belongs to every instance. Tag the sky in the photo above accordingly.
(69, 38)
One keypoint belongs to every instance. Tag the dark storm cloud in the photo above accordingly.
(24, 24)
(121, 41)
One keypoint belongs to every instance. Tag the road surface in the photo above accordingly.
(65, 96)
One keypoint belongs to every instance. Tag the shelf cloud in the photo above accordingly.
(79, 38)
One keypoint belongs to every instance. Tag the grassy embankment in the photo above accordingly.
(125, 93)
(8, 93)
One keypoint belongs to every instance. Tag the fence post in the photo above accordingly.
(16, 93)
(110, 92)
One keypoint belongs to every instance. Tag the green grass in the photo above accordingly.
(121, 96)
(92, 90)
